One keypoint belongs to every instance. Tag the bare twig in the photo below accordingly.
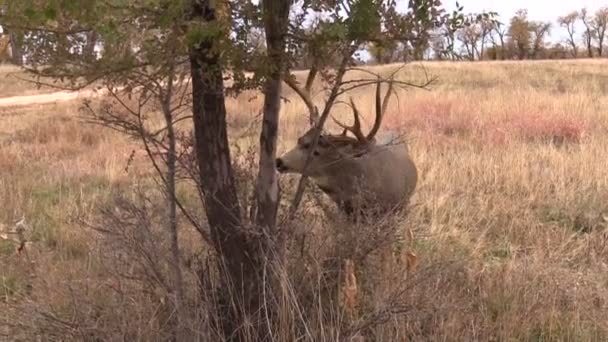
(334, 93)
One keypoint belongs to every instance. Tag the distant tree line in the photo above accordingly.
(454, 36)
(484, 36)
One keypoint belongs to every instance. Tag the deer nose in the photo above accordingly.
(280, 165)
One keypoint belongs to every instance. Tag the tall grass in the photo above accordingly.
(508, 224)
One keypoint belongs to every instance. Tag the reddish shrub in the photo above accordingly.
(553, 129)
(439, 118)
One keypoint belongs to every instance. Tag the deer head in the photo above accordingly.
(333, 148)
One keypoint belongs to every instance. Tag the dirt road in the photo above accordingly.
(46, 98)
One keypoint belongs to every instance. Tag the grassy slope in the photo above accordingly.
(515, 221)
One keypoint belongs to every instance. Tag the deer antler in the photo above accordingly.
(381, 106)
(304, 93)
(356, 127)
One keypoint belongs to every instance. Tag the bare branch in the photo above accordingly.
(312, 73)
(304, 95)
(402, 84)
(334, 93)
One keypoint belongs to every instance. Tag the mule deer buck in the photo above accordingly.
(358, 174)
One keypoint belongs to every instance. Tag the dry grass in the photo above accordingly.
(15, 82)
(509, 218)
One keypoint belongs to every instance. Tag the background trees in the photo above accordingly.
(569, 21)
(599, 24)
(517, 37)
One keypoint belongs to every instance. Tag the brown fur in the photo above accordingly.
(358, 177)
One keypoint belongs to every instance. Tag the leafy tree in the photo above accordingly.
(539, 31)
(470, 36)
(413, 29)
(519, 34)
(451, 24)
(475, 32)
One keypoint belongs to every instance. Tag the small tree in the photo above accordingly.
(450, 25)
(487, 22)
(590, 33)
(412, 34)
(569, 22)
(470, 36)
(519, 33)
(600, 24)
(475, 32)
(539, 31)
(498, 39)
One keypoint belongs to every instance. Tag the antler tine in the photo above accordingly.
(356, 127)
(304, 94)
(391, 90)
(381, 106)
(378, 118)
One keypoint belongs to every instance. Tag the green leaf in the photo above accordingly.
(203, 32)
(50, 12)
(30, 13)
(364, 20)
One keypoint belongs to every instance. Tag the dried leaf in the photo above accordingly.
(410, 235)
(21, 247)
(411, 262)
(349, 289)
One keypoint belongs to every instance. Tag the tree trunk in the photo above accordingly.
(172, 224)
(218, 183)
(573, 45)
(275, 16)
(267, 190)
(89, 48)
(242, 255)
(588, 40)
(16, 49)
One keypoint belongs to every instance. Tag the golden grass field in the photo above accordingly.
(511, 208)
